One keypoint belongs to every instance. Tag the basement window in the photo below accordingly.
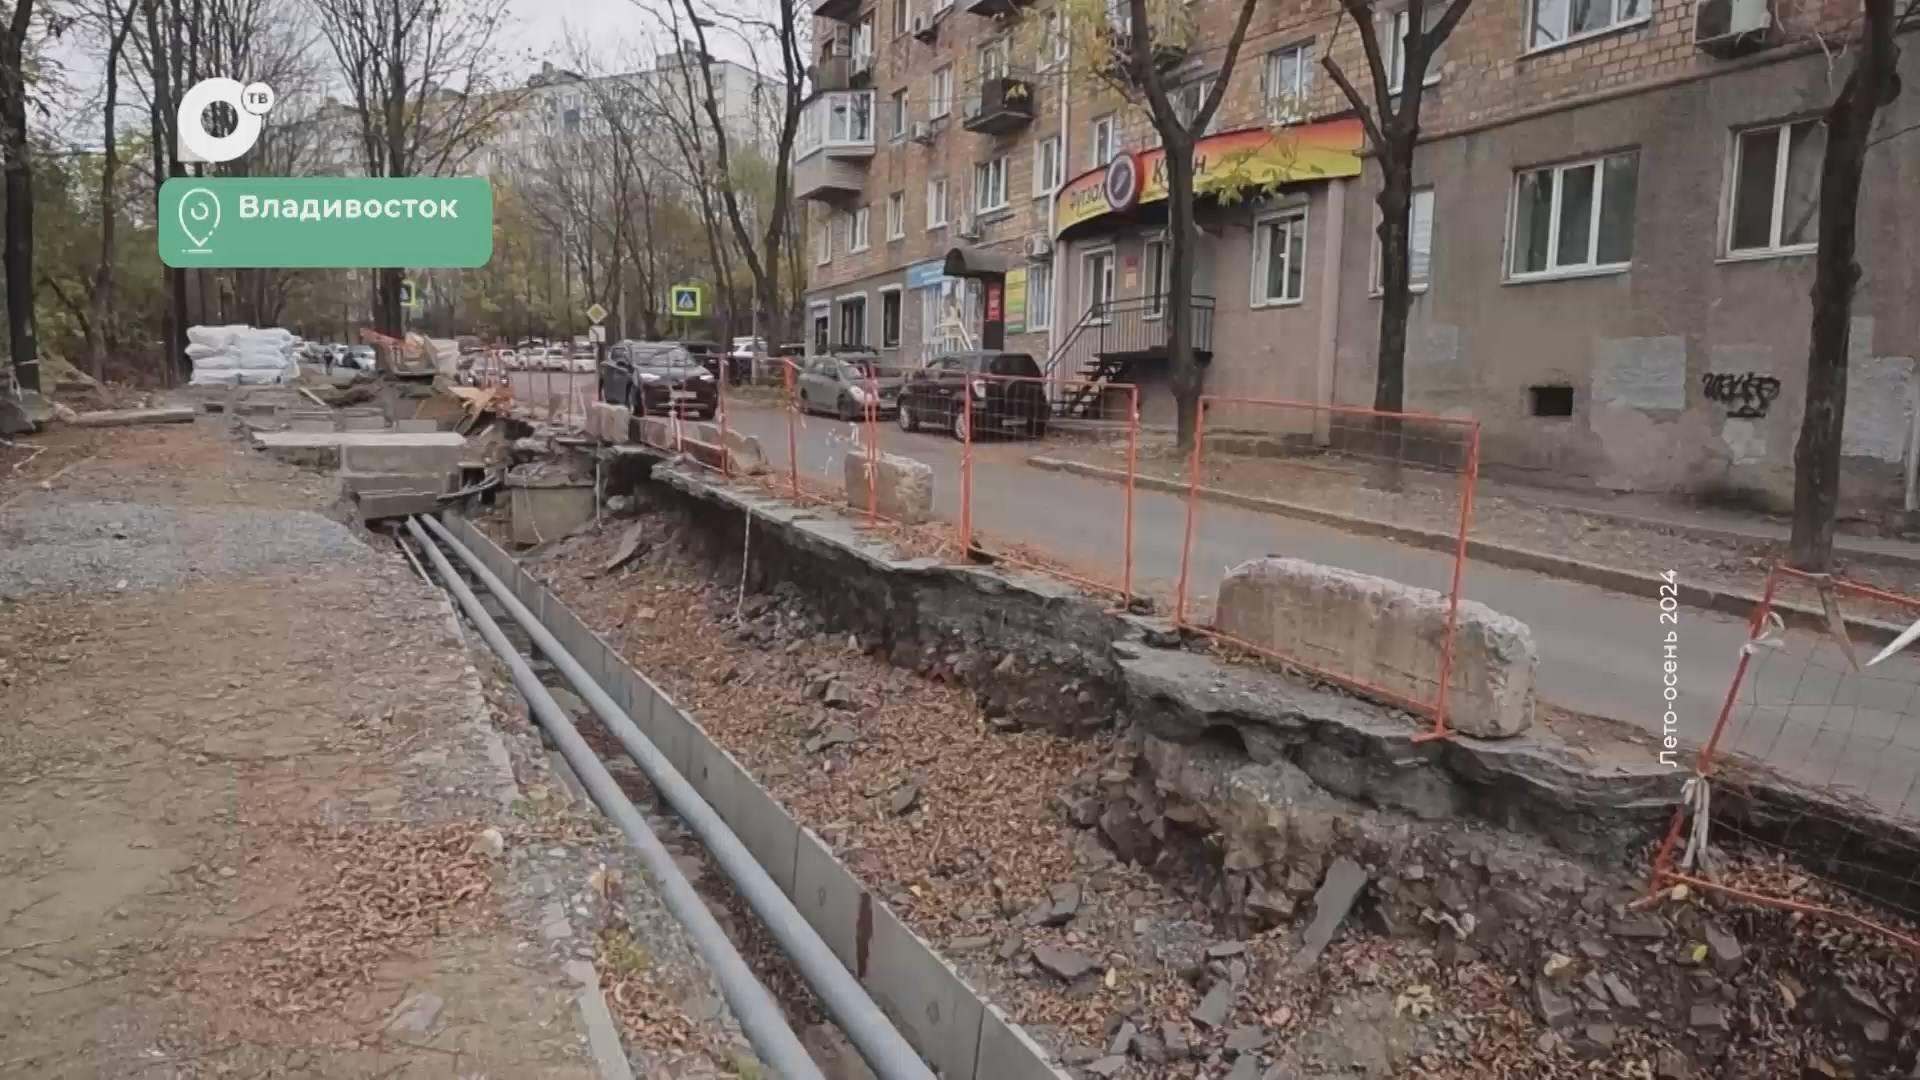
(1550, 400)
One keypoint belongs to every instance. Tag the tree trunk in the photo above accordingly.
(1396, 294)
(1185, 373)
(18, 251)
(1816, 457)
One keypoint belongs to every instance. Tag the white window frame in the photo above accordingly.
(823, 243)
(936, 207)
(1262, 253)
(814, 311)
(1413, 217)
(1530, 46)
(858, 226)
(1187, 100)
(986, 170)
(1154, 291)
(902, 16)
(1047, 176)
(942, 6)
(1086, 281)
(898, 120)
(940, 92)
(1287, 105)
(1039, 315)
(1397, 48)
(1780, 159)
(866, 320)
(896, 216)
(1592, 266)
(1103, 142)
(1053, 40)
(900, 315)
(995, 59)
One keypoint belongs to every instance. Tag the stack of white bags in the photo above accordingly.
(243, 355)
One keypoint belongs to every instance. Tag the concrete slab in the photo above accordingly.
(357, 483)
(366, 451)
(828, 896)
(416, 425)
(1008, 1053)
(547, 513)
(764, 827)
(133, 417)
(934, 1010)
(374, 505)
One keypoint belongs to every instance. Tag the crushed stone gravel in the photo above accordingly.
(53, 546)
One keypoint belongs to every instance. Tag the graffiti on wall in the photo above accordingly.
(1747, 395)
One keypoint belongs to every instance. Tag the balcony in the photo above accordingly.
(991, 7)
(832, 145)
(1005, 104)
(837, 10)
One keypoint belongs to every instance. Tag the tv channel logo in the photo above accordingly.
(250, 105)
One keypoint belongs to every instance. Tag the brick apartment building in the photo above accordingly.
(1612, 233)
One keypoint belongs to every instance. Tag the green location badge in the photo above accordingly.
(326, 221)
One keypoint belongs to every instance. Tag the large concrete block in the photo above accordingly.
(658, 431)
(1388, 635)
(376, 452)
(362, 420)
(609, 423)
(903, 487)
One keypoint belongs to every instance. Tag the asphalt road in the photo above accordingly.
(1601, 652)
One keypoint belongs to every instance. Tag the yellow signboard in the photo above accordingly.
(1255, 156)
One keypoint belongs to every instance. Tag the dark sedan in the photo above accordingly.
(996, 392)
(657, 378)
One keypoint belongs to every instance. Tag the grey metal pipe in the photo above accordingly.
(759, 1014)
(866, 1027)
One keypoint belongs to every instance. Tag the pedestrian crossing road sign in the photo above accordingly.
(683, 301)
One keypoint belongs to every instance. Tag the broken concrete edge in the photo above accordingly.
(1535, 782)
(1736, 602)
(905, 974)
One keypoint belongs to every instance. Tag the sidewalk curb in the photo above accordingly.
(1735, 602)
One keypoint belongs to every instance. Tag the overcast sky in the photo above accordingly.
(618, 32)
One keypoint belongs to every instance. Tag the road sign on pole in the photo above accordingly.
(684, 301)
(409, 294)
(597, 333)
(596, 314)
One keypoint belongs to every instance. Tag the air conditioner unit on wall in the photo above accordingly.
(1039, 246)
(1731, 27)
(967, 228)
(925, 26)
(922, 132)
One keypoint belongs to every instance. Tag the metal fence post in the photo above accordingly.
(1193, 503)
(793, 456)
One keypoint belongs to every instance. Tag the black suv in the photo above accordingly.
(956, 389)
(658, 378)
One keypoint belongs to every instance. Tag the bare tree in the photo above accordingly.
(18, 251)
(419, 76)
(1872, 83)
(786, 32)
(1140, 59)
(1391, 119)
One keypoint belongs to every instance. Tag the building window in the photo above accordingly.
(897, 216)
(1186, 104)
(853, 321)
(936, 203)
(1419, 243)
(1279, 258)
(863, 44)
(823, 243)
(1556, 22)
(1397, 47)
(940, 92)
(1159, 265)
(822, 335)
(1055, 39)
(890, 318)
(993, 60)
(1285, 82)
(1046, 166)
(897, 124)
(1039, 296)
(857, 225)
(1776, 188)
(990, 185)
(1574, 217)
(1096, 282)
(1550, 400)
(1102, 145)
(902, 17)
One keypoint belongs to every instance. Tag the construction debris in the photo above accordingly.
(132, 417)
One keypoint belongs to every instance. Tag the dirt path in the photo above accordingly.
(259, 815)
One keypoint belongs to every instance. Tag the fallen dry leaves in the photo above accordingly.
(379, 889)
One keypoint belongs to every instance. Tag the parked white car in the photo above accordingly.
(585, 360)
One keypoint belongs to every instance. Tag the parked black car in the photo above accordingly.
(838, 383)
(957, 388)
(709, 354)
(658, 378)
